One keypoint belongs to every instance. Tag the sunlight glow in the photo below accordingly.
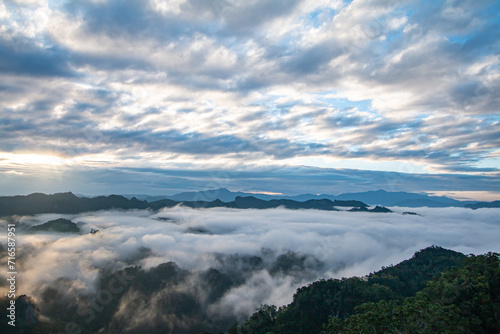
(9, 159)
(50, 160)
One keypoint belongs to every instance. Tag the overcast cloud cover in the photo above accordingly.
(325, 244)
(160, 93)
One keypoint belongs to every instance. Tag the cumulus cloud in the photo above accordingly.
(227, 261)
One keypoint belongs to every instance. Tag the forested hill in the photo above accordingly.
(68, 203)
(411, 297)
(65, 203)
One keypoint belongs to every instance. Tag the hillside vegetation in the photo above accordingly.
(436, 291)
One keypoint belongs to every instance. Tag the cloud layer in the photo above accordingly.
(266, 253)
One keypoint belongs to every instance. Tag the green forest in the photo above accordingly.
(436, 291)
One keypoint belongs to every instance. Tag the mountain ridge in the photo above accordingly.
(480, 205)
(373, 197)
(68, 203)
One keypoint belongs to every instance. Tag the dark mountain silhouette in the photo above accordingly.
(321, 204)
(64, 203)
(164, 203)
(380, 209)
(68, 203)
(362, 209)
(479, 205)
(251, 202)
(348, 203)
(57, 225)
(375, 209)
(410, 213)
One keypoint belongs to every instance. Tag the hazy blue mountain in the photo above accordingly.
(420, 202)
(379, 197)
(144, 197)
(224, 195)
(479, 205)
(306, 197)
(385, 198)
(400, 198)
(208, 195)
(221, 194)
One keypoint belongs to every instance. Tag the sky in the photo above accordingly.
(281, 96)
(320, 244)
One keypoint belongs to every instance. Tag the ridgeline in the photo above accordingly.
(68, 203)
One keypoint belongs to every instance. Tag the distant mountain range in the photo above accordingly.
(479, 205)
(68, 203)
(379, 197)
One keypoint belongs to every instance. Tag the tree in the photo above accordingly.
(462, 300)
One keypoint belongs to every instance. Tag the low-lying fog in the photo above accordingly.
(295, 247)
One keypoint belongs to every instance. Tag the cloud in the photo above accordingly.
(252, 16)
(248, 258)
(34, 61)
(118, 18)
(223, 83)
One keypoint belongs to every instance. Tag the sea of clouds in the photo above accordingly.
(323, 244)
